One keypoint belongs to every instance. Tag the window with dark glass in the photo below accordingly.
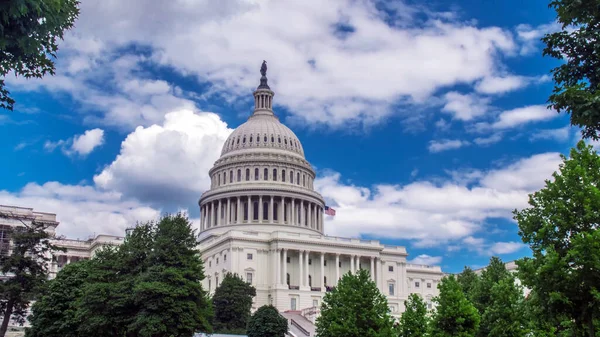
(285, 210)
(230, 176)
(245, 211)
(390, 268)
(266, 174)
(244, 141)
(265, 211)
(283, 175)
(265, 138)
(239, 175)
(275, 211)
(275, 174)
(250, 139)
(255, 210)
(291, 177)
(247, 174)
(298, 178)
(255, 174)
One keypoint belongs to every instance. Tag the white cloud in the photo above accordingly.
(167, 164)
(81, 210)
(500, 248)
(465, 107)
(484, 141)
(432, 214)
(322, 76)
(483, 247)
(426, 259)
(561, 134)
(81, 145)
(495, 85)
(446, 144)
(529, 37)
(519, 116)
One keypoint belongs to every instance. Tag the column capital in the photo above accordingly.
(284, 249)
(337, 254)
(372, 258)
(322, 253)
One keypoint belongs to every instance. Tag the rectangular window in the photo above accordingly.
(390, 268)
(417, 284)
(249, 256)
(309, 261)
(217, 260)
(340, 264)
(315, 303)
(288, 260)
(428, 285)
(325, 263)
(391, 288)
(249, 278)
(293, 304)
(225, 258)
(208, 285)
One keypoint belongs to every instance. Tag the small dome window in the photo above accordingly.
(238, 141)
(266, 174)
(250, 139)
(279, 139)
(244, 141)
(275, 174)
(265, 138)
(258, 138)
(272, 139)
(285, 141)
(283, 175)
(230, 176)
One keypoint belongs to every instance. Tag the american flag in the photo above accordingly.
(329, 211)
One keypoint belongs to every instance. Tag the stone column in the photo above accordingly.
(358, 263)
(300, 260)
(202, 215)
(278, 265)
(372, 269)
(281, 211)
(322, 271)
(274, 266)
(307, 269)
(337, 268)
(228, 216)
(220, 212)
(250, 209)
(293, 216)
(239, 210)
(285, 267)
(271, 208)
(380, 276)
(352, 264)
(260, 209)
(301, 212)
(212, 213)
(309, 217)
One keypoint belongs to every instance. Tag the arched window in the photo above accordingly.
(247, 174)
(275, 174)
(266, 174)
(225, 178)
(285, 211)
(265, 211)
(238, 141)
(255, 210)
(283, 175)
(291, 177)
(258, 138)
(231, 176)
(275, 211)
(239, 175)
(250, 138)
(245, 211)
(272, 139)
(279, 140)
(219, 180)
(265, 138)
(304, 180)
(285, 141)
(298, 178)
(244, 140)
(256, 174)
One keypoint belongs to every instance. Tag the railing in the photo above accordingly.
(299, 327)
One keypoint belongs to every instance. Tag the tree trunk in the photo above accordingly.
(590, 326)
(6, 319)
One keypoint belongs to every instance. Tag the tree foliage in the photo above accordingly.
(468, 281)
(267, 322)
(414, 320)
(454, 315)
(504, 315)
(27, 263)
(561, 228)
(577, 80)
(149, 286)
(29, 30)
(355, 308)
(232, 303)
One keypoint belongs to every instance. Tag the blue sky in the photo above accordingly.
(426, 123)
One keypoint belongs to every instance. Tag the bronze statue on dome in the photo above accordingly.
(263, 68)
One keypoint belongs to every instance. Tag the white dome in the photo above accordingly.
(263, 132)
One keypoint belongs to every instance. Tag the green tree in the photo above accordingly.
(267, 322)
(481, 292)
(577, 80)
(27, 263)
(29, 30)
(414, 320)
(561, 228)
(355, 308)
(504, 316)
(468, 282)
(232, 302)
(455, 315)
(53, 314)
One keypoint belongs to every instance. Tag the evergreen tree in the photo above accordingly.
(53, 314)
(267, 322)
(561, 228)
(30, 29)
(27, 263)
(454, 316)
(414, 320)
(468, 282)
(232, 302)
(355, 308)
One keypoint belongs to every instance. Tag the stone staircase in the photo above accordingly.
(299, 325)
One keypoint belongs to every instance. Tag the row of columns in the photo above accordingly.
(280, 267)
(279, 210)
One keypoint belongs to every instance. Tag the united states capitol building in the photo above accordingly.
(263, 220)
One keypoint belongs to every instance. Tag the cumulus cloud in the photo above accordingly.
(465, 107)
(429, 213)
(81, 210)
(482, 247)
(560, 134)
(517, 117)
(80, 145)
(530, 36)
(426, 259)
(503, 84)
(323, 73)
(447, 144)
(167, 164)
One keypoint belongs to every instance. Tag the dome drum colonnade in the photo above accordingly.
(262, 176)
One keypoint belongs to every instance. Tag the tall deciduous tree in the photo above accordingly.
(562, 228)
(455, 315)
(468, 282)
(267, 322)
(355, 308)
(26, 268)
(577, 80)
(29, 30)
(414, 320)
(232, 302)
(54, 313)
(504, 316)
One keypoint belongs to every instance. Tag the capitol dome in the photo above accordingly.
(262, 181)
